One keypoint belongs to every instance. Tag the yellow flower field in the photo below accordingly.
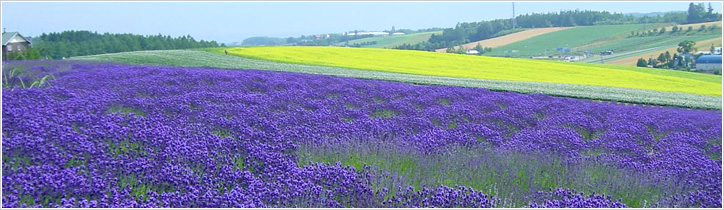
(479, 67)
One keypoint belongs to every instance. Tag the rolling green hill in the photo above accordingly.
(393, 41)
(617, 38)
(570, 38)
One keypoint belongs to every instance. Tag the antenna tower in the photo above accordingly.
(514, 22)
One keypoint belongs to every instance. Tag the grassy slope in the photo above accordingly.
(571, 38)
(510, 38)
(476, 67)
(393, 41)
(192, 58)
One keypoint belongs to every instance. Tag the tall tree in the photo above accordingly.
(481, 50)
(641, 62)
(695, 13)
(686, 47)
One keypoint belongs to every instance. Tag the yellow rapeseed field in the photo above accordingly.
(479, 67)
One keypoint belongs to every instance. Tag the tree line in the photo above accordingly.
(332, 39)
(475, 31)
(80, 43)
(675, 30)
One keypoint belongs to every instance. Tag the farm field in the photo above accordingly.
(476, 67)
(628, 47)
(510, 38)
(155, 136)
(393, 41)
(570, 38)
(630, 60)
(189, 58)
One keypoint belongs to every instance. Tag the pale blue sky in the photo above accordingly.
(233, 21)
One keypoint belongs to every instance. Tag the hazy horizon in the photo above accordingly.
(228, 22)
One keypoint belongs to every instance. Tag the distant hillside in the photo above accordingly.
(263, 41)
(509, 39)
(390, 41)
(624, 40)
(549, 43)
(467, 32)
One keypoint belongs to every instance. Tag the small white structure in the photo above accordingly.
(375, 33)
(472, 52)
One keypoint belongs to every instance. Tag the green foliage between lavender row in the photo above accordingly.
(508, 175)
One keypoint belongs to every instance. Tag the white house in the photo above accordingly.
(472, 52)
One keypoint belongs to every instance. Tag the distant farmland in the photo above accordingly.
(510, 38)
(393, 41)
(570, 38)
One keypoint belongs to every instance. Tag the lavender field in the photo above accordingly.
(112, 135)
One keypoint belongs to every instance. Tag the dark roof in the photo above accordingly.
(709, 59)
(7, 36)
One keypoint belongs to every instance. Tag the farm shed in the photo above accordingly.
(14, 42)
(472, 52)
(708, 62)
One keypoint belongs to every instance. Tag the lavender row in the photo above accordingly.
(134, 136)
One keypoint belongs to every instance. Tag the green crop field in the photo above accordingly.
(392, 41)
(193, 58)
(570, 38)
(476, 67)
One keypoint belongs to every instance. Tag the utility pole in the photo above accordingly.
(514, 22)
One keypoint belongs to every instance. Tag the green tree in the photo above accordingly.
(481, 50)
(663, 30)
(450, 50)
(641, 62)
(686, 47)
(713, 28)
(667, 56)
(661, 58)
(695, 13)
(461, 50)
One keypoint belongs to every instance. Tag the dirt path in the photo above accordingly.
(510, 38)
(631, 61)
